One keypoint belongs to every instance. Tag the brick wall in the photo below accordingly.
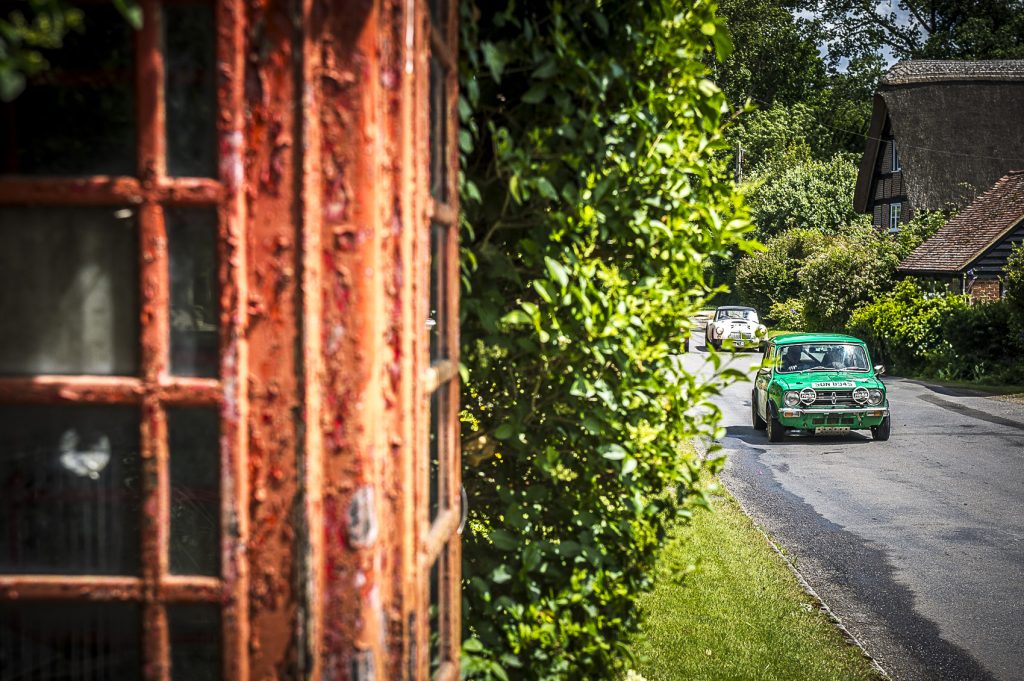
(985, 291)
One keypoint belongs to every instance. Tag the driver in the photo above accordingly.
(791, 358)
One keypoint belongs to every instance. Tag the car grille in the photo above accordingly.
(843, 398)
(832, 420)
(737, 336)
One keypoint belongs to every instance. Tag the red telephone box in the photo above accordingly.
(229, 346)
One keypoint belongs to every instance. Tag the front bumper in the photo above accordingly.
(854, 418)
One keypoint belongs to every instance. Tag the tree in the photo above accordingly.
(595, 187)
(916, 29)
(812, 194)
(775, 60)
(29, 29)
(772, 276)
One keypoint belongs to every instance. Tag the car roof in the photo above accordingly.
(788, 338)
(734, 307)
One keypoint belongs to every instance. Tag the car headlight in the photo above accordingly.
(761, 331)
(875, 396)
(807, 395)
(861, 395)
(791, 398)
(719, 329)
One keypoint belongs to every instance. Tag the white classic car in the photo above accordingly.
(739, 324)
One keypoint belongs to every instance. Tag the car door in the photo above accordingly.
(763, 378)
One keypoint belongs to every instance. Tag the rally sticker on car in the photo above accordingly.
(832, 385)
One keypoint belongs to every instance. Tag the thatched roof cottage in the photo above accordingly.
(941, 132)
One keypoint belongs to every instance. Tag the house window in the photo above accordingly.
(894, 217)
(115, 483)
(896, 167)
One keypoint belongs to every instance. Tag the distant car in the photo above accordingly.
(740, 324)
(822, 383)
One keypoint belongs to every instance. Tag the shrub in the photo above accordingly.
(1013, 284)
(982, 341)
(847, 272)
(788, 315)
(595, 188)
(904, 329)
(771, 276)
(813, 195)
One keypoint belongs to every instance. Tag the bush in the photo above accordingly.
(771, 276)
(594, 189)
(1013, 284)
(982, 341)
(905, 329)
(788, 315)
(847, 272)
(811, 195)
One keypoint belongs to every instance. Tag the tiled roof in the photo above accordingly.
(973, 230)
(929, 71)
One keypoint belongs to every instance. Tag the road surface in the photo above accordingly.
(917, 544)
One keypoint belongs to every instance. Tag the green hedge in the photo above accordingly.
(595, 187)
(904, 329)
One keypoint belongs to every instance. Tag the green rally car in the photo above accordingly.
(819, 382)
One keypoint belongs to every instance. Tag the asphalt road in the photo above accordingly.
(916, 544)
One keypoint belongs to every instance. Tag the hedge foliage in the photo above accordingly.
(830, 274)
(904, 329)
(594, 189)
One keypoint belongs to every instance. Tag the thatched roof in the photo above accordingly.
(973, 231)
(957, 125)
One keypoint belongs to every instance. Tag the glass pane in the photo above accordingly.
(69, 490)
(68, 291)
(438, 131)
(439, 14)
(194, 436)
(192, 242)
(195, 642)
(437, 321)
(190, 94)
(76, 117)
(437, 610)
(59, 641)
(438, 445)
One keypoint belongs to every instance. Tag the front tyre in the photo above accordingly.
(755, 418)
(775, 429)
(882, 430)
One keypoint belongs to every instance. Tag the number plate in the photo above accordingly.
(831, 430)
(832, 385)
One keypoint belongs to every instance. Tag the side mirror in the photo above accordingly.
(879, 370)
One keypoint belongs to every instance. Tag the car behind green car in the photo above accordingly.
(823, 383)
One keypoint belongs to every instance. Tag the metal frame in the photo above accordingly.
(154, 390)
(441, 537)
(325, 379)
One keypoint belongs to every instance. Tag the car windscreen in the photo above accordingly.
(748, 315)
(821, 357)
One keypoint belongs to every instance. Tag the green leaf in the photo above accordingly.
(613, 452)
(500, 574)
(535, 94)
(546, 70)
(517, 318)
(504, 431)
(495, 58)
(504, 540)
(557, 271)
(546, 189)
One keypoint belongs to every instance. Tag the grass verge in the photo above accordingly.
(726, 606)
